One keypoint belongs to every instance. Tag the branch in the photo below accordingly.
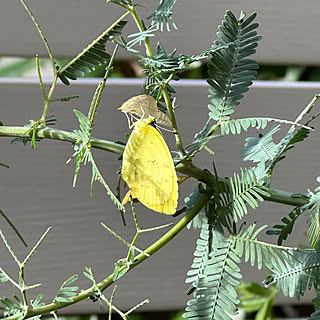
(138, 259)
(185, 167)
(56, 134)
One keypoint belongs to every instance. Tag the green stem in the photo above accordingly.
(172, 117)
(139, 259)
(47, 102)
(24, 291)
(97, 96)
(56, 134)
(45, 98)
(185, 167)
(41, 35)
(13, 227)
(141, 28)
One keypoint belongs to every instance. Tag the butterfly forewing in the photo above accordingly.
(148, 169)
(145, 106)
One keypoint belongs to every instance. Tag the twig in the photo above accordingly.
(13, 227)
(41, 35)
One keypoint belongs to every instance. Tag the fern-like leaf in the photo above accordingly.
(163, 63)
(244, 189)
(201, 217)
(284, 230)
(163, 15)
(315, 315)
(254, 251)
(230, 75)
(314, 217)
(214, 275)
(140, 36)
(301, 273)
(123, 3)
(10, 307)
(66, 292)
(288, 143)
(261, 149)
(235, 126)
(94, 55)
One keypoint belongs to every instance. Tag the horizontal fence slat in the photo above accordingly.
(288, 27)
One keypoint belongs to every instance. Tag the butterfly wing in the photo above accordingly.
(148, 169)
(145, 106)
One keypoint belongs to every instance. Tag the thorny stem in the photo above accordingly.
(185, 167)
(13, 227)
(179, 226)
(141, 28)
(165, 91)
(45, 98)
(97, 96)
(172, 117)
(9, 278)
(48, 100)
(41, 35)
(24, 291)
(111, 301)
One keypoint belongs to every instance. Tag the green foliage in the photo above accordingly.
(11, 307)
(139, 37)
(230, 76)
(261, 149)
(257, 252)
(66, 292)
(244, 189)
(214, 275)
(316, 302)
(202, 216)
(315, 315)
(255, 298)
(313, 221)
(93, 56)
(163, 64)
(300, 272)
(287, 143)
(234, 126)
(283, 231)
(163, 15)
(16, 67)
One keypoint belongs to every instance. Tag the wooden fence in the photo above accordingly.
(36, 192)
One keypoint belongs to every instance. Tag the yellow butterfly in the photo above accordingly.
(148, 169)
(144, 106)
